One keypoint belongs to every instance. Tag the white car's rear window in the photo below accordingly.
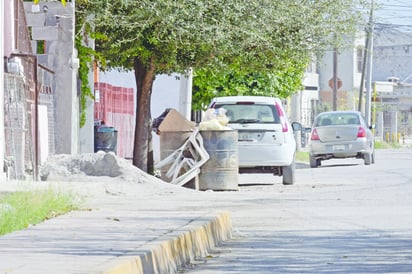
(250, 113)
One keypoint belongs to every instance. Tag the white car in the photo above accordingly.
(266, 143)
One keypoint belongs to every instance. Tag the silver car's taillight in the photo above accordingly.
(361, 132)
(314, 136)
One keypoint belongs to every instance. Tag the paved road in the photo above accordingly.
(343, 217)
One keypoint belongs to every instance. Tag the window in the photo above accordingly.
(253, 112)
(311, 68)
(337, 119)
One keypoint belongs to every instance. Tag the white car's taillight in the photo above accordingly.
(282, 117)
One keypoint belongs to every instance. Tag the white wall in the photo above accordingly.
(359, 42)
(165, 94)
(392, 54)
(393, 61)
(8, 46)
(346, 66)
(43, 134)
(2, 144)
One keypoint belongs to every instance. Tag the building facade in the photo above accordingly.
(392, 75)
(349, 71)
(40, 95)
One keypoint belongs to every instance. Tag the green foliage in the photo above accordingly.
(210, 82)
(386, 145)
(85, 55)
(19, 210)
(302, 156)
(278, 70)
(40, 47)
(175, 35)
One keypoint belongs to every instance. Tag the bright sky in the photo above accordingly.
(395, 13)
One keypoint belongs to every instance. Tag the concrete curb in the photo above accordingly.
(169, 252)
(301, 165)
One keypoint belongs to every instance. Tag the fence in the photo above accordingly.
(21, 151)
(115, 107)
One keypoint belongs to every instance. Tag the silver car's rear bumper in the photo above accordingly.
(340, 149)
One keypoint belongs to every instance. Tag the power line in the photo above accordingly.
(395, 12)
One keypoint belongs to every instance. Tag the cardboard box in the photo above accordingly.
(174, 121)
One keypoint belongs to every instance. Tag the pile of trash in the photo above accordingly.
(172, 120)
(183, 165)
(214, 119)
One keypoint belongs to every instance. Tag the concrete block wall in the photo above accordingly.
(53, 24)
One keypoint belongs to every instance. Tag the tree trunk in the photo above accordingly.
(142, 151)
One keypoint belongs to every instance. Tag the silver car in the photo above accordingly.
(341, 134)
(265, 137)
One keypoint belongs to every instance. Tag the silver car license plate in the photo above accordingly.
(338, 147)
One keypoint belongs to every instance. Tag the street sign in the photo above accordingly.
(384, 87)
(331, 83)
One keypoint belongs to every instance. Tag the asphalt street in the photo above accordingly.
(343, 217)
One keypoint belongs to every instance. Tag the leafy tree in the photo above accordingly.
(281, 81)
(153, 37)
(212, 82)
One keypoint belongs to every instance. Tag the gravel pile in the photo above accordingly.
(83, 167)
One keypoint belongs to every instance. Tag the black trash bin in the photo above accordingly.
(105, 139)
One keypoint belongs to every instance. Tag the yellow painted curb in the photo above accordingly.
(167, 255)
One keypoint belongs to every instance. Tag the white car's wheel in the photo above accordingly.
(289, 174)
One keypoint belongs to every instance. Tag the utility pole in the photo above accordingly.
(335, 79)
(362, 82)
(369, 79)
(367, 54)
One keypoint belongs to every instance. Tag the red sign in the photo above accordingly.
(331, 84)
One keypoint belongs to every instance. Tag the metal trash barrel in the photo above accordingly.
(170, 141)
(221, 171)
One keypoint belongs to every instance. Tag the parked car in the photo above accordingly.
(341, 134)
(266, 142)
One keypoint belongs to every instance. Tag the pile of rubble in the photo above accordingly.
(81, 167)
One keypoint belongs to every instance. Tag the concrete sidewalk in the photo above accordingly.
(125, 227)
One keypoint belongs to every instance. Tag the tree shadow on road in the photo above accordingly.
(314, 252)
